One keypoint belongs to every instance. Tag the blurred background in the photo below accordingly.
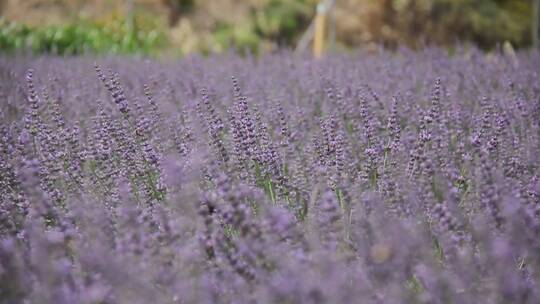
(179, 27)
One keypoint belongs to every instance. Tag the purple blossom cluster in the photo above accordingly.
(405, 177)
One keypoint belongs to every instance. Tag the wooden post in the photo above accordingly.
(129, 14)
(316, 31)
(331, 29)
(535, 23)
(319, 35)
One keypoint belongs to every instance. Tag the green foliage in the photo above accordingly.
(80, 37)
(186, 5)
(488, 22)
(282, 20)
(483, 22)
(242, 38)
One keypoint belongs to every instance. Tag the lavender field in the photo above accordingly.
(406, 177)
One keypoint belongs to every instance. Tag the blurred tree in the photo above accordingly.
(177, 8)
(535, 20)
(217, 25)
(282, 20)
(419, 22)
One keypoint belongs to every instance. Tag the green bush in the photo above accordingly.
(80, 37)
(283, 20)
(279, 21)
(242, 38)
(486, 23)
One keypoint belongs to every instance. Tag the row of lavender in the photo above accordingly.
(372, 178)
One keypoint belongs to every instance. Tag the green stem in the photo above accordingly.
(386, 149)
(340, 199)
(271, 191)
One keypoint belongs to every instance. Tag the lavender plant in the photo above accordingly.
(408, 177)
